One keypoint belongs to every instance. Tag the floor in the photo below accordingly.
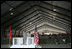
(47, 46)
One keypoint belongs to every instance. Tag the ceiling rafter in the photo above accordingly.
(57, 6)
(20, 25)
(12, 7)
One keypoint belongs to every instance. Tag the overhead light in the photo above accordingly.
(30, 23)
(54, 9)
(11, 14)
(10, 9)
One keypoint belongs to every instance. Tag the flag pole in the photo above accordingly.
(10, 36)
(9, 42)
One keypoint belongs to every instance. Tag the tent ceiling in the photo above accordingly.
(35, 12)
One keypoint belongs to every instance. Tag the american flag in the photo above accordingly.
(36, 38)
(10, 32)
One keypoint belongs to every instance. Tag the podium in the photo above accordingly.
(23, 42)
(18, 43)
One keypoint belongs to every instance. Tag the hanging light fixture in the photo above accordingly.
(53, 13)
(53, 7)
(10, 9)
(11, 13)
(30, 23)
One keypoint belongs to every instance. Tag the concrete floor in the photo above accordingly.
(47, 46)
(56, 46)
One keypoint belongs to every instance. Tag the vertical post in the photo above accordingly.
(24, 37)
(9, 42)
(15, 31)
(13, 41)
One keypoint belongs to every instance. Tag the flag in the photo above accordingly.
(36, 38)
(10, 32)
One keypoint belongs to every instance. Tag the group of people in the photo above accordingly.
(55, 39)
